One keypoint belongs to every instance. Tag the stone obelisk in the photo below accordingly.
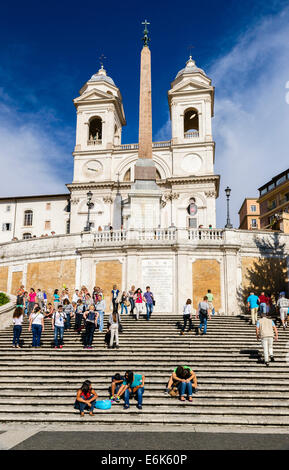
(145, 194)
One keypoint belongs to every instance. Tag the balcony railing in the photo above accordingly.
(191, 135)
(94, 142)
(167, 235)
(165, 143)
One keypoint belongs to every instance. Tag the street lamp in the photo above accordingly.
(228, 192)
(89, 206)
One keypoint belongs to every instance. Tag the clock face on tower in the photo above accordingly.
(92, 169)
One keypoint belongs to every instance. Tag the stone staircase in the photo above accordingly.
(39, 385)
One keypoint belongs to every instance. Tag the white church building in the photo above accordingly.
(45, 241)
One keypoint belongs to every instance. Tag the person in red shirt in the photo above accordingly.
(263, 302)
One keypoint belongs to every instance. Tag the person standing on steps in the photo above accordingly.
(203, 313)
(85, 398)
(31, 300)
(100, 308)
(90, 317)
(124, 303)
(36, 324)
(69, 312)
(131, 299)
(17, 326)
(114, 322)
(266, 331)
(79, 315)
(187, 315)
(114, 299)
(58, 322)
(210, 301)
(253, 305)
(56, 299)
(133, 384)
(149, 301)
(138, 299)
(283, 305)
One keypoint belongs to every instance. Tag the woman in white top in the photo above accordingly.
(36, 323)
(114, 325)
(187, 315)
(17, 328)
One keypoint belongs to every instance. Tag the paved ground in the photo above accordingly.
(70, 440)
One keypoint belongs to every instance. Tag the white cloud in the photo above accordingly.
(251, 121)
(33, 156)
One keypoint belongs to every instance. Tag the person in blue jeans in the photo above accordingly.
(133, 384)
(17, 328)
(149, 300)
(85, 398)
(186, 380)
(58, 321)
(203, 313)
(36, 324)
(100, 308)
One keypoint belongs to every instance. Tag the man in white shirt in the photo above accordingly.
(58, 320)
(75, 296)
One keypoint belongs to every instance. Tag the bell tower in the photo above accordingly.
(100, 114)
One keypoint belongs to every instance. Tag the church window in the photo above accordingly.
(95, 129)
(6, 227)
(8, 208)
(192, 222)
(28, 218)
(191, 123)
(68, 226)
(48, 206)
(26, 236)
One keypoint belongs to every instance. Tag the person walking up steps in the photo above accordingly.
(266, 330)
(203, 313)
(283, 305)
(253, 305)
(17, 328)
(187, 315)
(210, 301)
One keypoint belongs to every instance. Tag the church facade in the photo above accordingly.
(95, 242)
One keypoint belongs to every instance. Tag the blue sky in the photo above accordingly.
(49, 50)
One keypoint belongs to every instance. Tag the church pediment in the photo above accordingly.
(93, 95)
(190, 85)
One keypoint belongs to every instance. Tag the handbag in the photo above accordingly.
(154, 302)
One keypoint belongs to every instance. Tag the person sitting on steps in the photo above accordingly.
(133, 385)
(85, 398)
(116, 383)
(182, 378)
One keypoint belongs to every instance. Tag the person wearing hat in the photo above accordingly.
(266, 330)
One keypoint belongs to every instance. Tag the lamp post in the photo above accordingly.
(89, 206)
(228, 192)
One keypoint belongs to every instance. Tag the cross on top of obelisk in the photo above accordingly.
(146, 38)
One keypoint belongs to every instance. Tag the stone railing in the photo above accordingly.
(191, 135)
(94, 142)
(159, 234)
(165, 143)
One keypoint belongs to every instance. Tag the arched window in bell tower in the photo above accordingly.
(95, 130)
(191, 123)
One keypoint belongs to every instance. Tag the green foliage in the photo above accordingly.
(3, 299)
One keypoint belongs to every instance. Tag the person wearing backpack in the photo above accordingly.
(90, 317)
(58, 321)
(36, 324)
(203, 313)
